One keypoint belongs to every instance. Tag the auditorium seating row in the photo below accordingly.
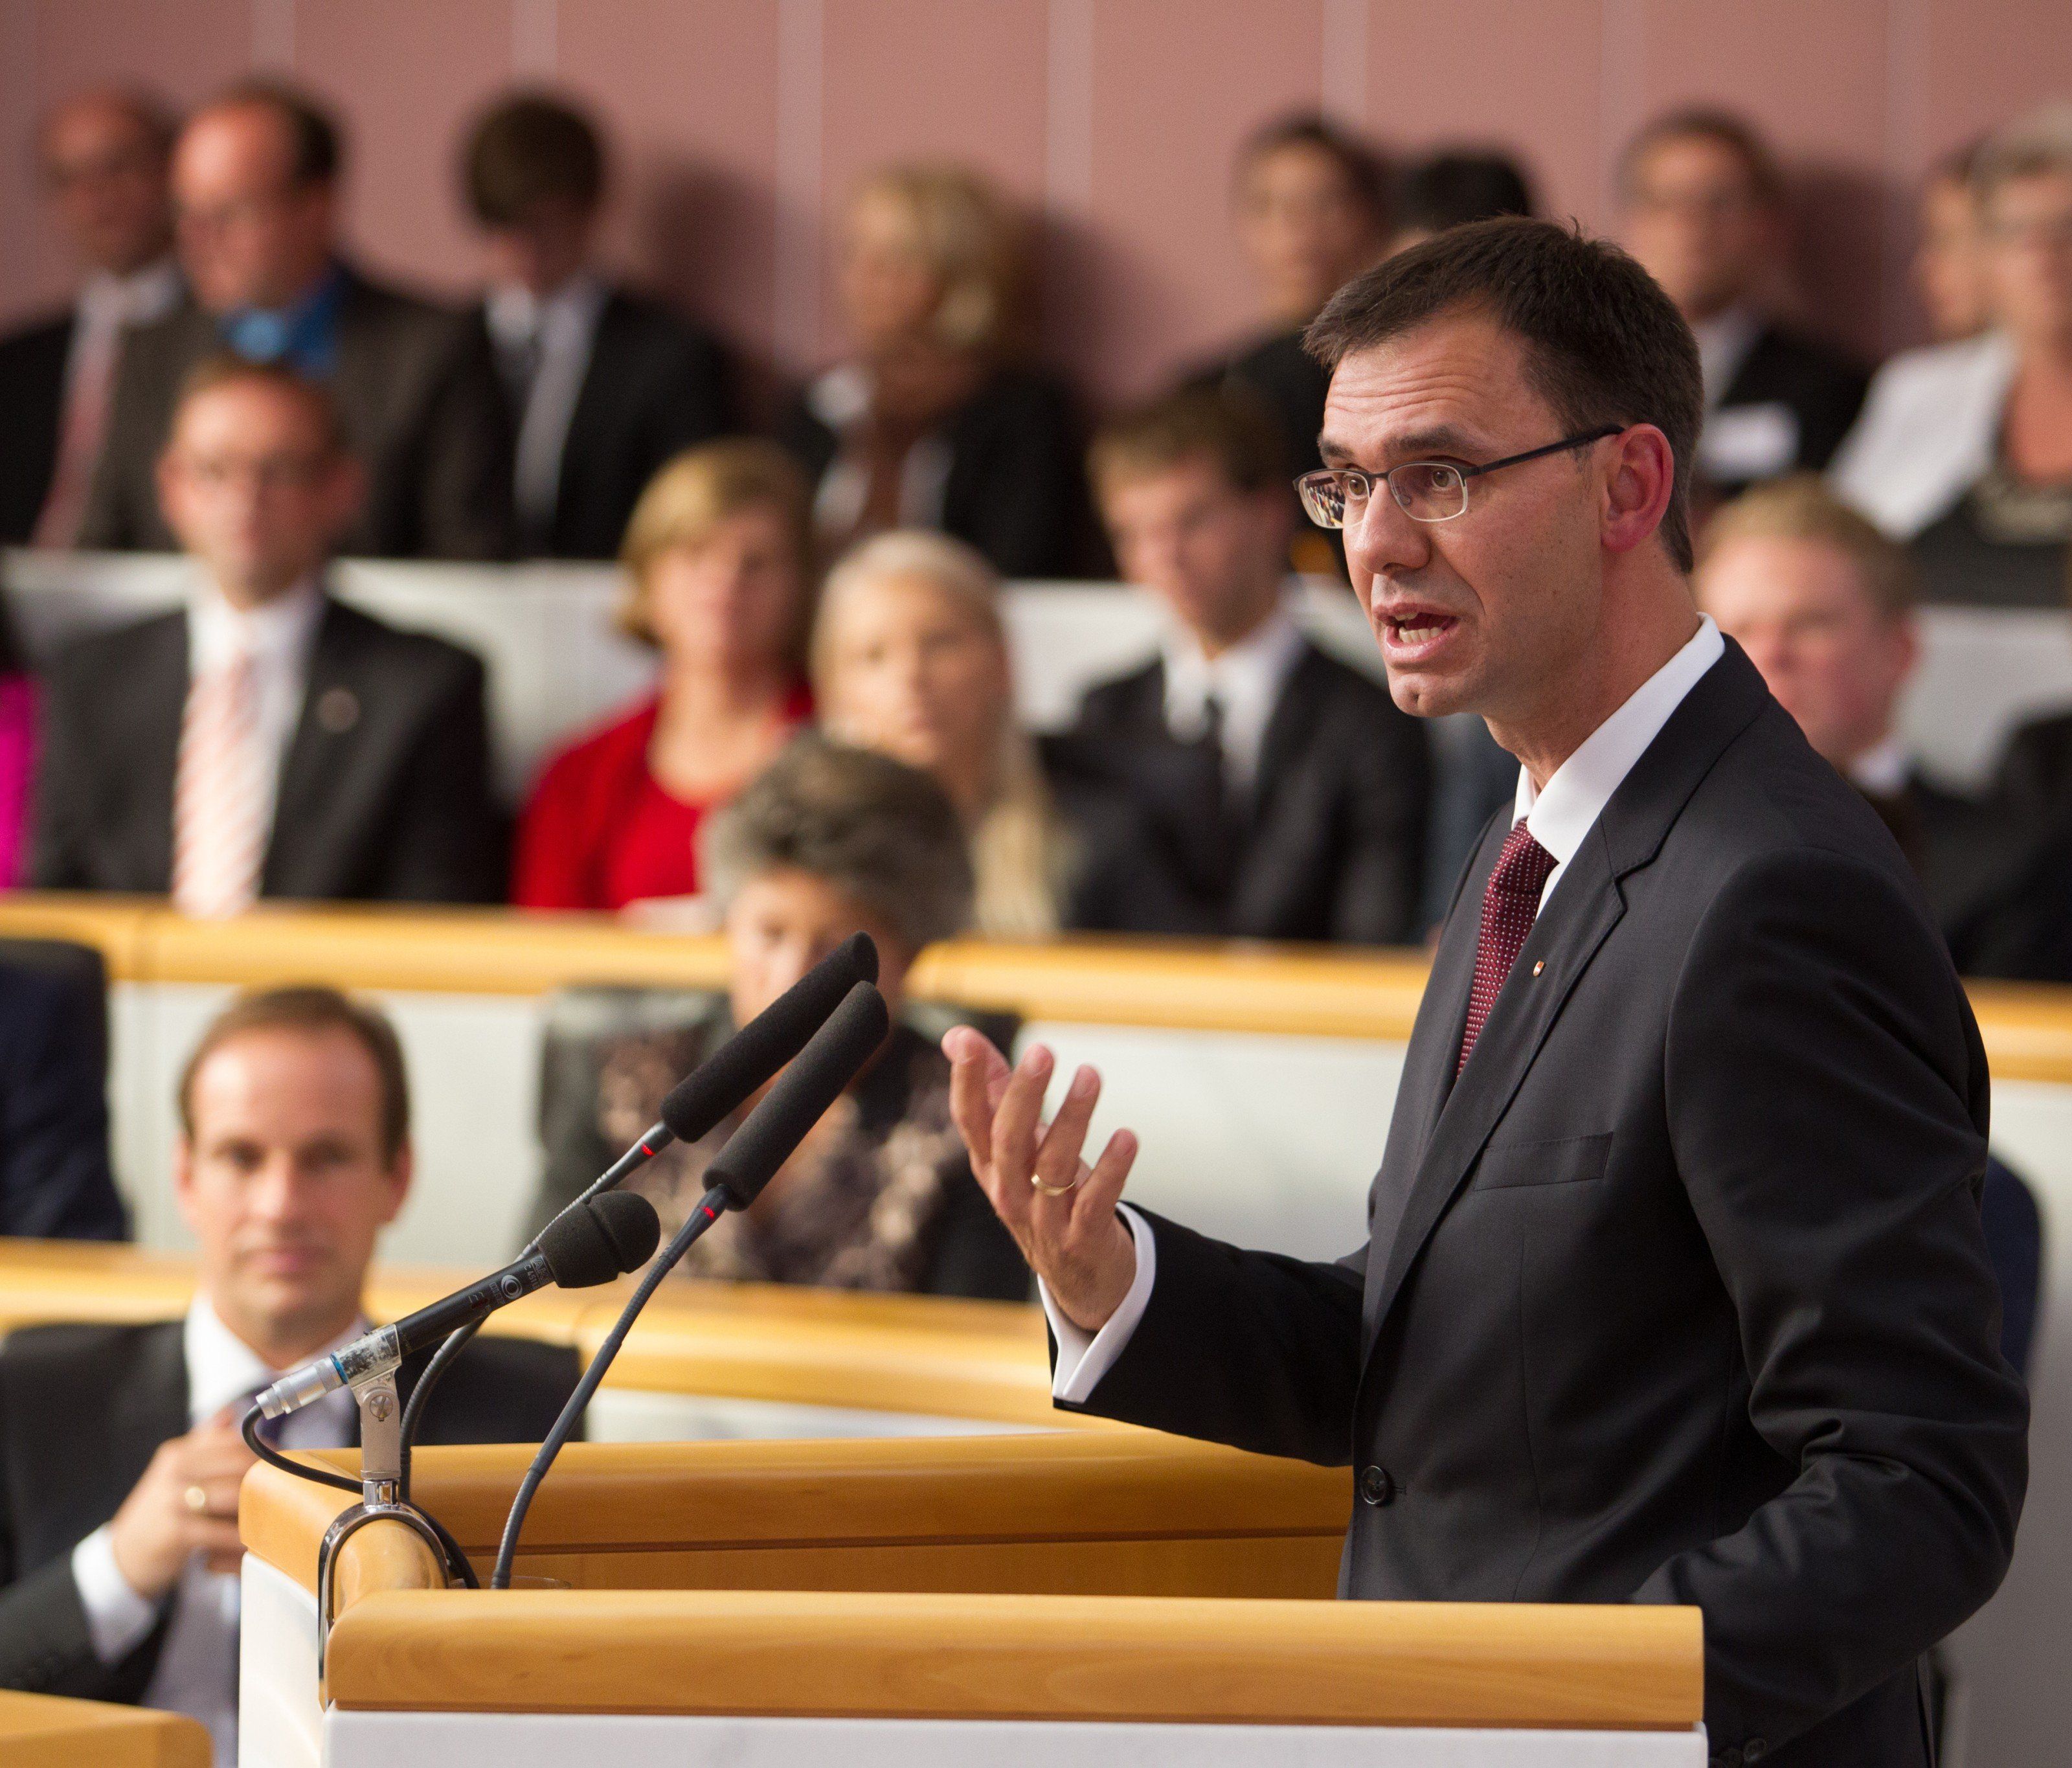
(558, 663)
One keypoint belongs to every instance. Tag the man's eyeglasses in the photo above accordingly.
(1426, 491)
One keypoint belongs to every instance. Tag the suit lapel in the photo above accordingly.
(1586, 905)
(603, 374)
(330, 712)
(153, 705)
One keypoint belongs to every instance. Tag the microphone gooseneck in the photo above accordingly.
(836, 1053)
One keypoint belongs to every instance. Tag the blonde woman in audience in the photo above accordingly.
(910, 658)
(937, 419)
(717, 580)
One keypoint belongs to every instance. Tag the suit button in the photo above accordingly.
(1377, 1486)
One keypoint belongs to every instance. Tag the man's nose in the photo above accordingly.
(1382, 538)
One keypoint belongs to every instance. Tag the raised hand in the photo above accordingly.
(185, 1504)
(1060, 1211)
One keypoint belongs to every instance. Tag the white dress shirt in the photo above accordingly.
(1884, 770)
(1724, 343)
(197, 1671)
(1246, 679)
(1559, 815)
(841, 399)
(556, 336)
(1930, 429)
(278, 637)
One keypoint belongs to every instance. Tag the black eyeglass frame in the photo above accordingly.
(1463, 473)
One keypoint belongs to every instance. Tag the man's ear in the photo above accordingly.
(401, 1171)
(183, 1178)
(1641, 476)
(346, 494)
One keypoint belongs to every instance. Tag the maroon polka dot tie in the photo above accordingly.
(1511, 903)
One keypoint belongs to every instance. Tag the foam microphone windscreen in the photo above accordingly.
(718, 1084)
(611, 1235)
(802, 1094)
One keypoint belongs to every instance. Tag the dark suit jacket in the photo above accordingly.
(55, 1179)
(1680, 1293)
(82, 1410)
(1822, 389)
(32, 368)
(1333, 847)
(417, 395)
(385, 791)
(656, 384)
(1016, 489)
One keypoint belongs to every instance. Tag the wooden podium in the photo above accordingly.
(1070, 1597)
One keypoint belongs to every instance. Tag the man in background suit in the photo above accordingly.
(120, 1453)
(103, 158)
(254, 182)
(1704, 211)
(605, 385)
(55, 1182)
(267, 740)
(1675, 1288)
(1283, 795)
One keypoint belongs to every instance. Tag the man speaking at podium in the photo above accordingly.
(1674, 1289)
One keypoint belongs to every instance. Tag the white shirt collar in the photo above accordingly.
(1724, 343)
(135, 299)
(515, 315)
(1564, 811)
(1246, 679)
(276, 635)
(1884, 770)
(222, 1368)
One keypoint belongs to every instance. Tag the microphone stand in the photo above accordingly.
(381, 1498)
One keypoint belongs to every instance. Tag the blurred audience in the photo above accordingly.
(55, 1182)
(1283, 794)
(1824, 606)
(255, 192)
(718, 580)
(102, 157)
(1968, 454)
(118, 1519)
(910, 658)
(830, 841)
(1949, 269)
(1310, 206)
(1705, 211)
(1454, 188)
(606, 386)
(21, 704)
(939, 418)
(266, 740)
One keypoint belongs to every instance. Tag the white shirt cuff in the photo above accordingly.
(117, 1618)
(1084, 1358)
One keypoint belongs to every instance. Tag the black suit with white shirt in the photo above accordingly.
(384, 793)
(1678, 1294)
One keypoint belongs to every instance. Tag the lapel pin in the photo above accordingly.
(338, 709)
(1539, 965)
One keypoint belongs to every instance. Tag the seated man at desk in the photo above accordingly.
(120, 1453)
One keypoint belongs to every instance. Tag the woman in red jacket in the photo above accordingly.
(716, 558)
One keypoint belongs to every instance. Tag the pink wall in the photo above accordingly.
(739, 121)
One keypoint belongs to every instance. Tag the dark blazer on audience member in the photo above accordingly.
(1822, 388)
(1015, 488)
(417, 395)
(385, 791)
(656, 384)
(55, 1179)
(1332, 847)
(82, 1410)
(32, 372)
(1679, 1293)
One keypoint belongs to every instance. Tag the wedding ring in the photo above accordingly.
(1054, 1191)
(195, 1498)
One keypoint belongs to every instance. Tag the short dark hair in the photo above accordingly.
(528, 148)
(1604, 344)
(308, 1007)
(1765, 177)
(1227, 426)
(225, 368)
(883, 834)
(1452, 189)
(316, 149)
(1363, 168)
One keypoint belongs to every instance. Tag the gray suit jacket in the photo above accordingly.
(1679, 1293)
(417, 393)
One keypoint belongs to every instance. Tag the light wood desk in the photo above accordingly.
(44, 1731)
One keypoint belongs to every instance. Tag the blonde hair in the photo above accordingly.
(973, 244)
(1020, 853)
(1801, 507)
(691, 496)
